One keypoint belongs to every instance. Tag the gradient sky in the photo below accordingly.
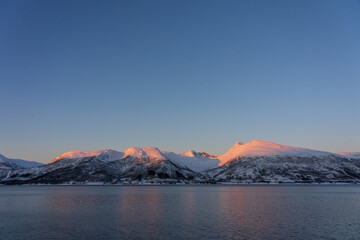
(178, 75)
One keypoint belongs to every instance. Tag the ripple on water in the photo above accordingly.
(180, 212)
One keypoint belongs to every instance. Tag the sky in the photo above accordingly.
(178, 75)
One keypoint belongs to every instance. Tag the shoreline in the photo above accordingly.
(188, 184)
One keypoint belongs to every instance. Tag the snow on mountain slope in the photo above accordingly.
(192, 153)
(262, 148)
(325, 168)
(195, 161)
(109, 166)
(9, 163)
(350, 154)
(260, 161)
(256, 161)
(144, 153)
(105, 155)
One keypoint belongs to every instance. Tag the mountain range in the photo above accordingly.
(253, 162)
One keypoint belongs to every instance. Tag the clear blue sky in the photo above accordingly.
(178, 75)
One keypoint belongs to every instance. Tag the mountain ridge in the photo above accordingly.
(255, 161)
(264, 148)
(13, 163)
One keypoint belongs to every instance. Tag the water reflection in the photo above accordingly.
(139, 212)
(179, 212)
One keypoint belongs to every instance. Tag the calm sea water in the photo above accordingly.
(180, 212)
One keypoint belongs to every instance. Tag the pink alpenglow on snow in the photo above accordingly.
(110, 154)
(193, 160)
(149, 153)
(258, 148)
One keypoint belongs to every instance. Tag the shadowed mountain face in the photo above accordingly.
(11, 164)
(289, 169)
(8, 164)
(260, 161)
(255, 161)
(109, 166)
(92, 169)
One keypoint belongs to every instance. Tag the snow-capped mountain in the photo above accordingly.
(260, 161)
(195, 161)
(10, 163)
(141, 164)
(192, 153)
(256, 161)
(106, 155)
(266, 149)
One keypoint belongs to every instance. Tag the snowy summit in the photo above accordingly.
(193, 160)
(256, 161)
(258, 148)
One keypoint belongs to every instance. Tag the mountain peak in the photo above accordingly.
(259, 148)
(193, 153)
(148, 152)
(190, 153)
(196, 161)
(82, 154)
(239, 143)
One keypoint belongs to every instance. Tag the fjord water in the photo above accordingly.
(180, 212)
